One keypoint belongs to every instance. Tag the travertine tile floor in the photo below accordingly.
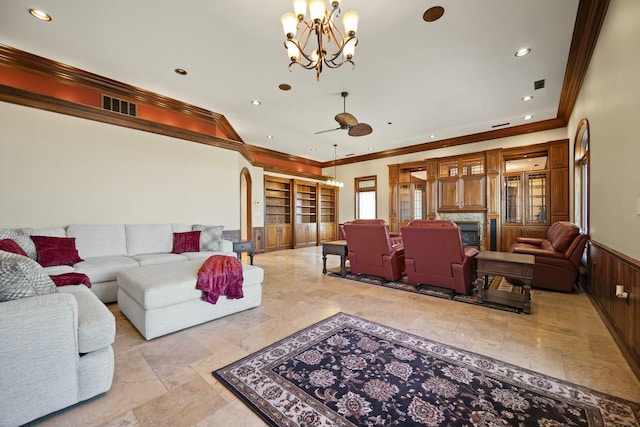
(168, 381)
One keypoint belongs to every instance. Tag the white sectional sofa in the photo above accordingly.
(108, 248)
(55, 343)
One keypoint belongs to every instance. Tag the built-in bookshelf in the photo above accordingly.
(328, 213)
(306, 215)
(277, 214)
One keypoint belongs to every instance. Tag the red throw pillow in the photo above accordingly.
(56, 250)
(9, 245)
(186, 242)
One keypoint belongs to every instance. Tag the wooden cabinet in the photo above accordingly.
(462, 184)
(410, 193)
(559, 175)
(306, 213)
(278, 236)
(277, 195)
(328, 201)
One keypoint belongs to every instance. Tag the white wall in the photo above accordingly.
(57, 170)
(609, 99)
(347, 173)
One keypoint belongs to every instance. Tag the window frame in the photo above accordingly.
(358, 190)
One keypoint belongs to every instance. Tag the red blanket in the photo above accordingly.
(220, 275)
(71, 279)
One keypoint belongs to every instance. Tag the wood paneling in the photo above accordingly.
(606, 269)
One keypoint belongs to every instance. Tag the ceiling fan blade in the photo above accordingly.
(346, 120)
(360, 129)
(328, 130)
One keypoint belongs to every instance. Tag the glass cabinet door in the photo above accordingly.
(513, 199)
(404, 196)
(536, 198)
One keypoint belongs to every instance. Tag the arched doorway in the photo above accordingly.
(581, 175)
(245, 205)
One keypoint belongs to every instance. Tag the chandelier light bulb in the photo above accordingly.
(350, 22)
(349, 49)
(289, 24)
(292, 49)
(317, 10)
(300, 8)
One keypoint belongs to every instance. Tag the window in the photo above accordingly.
(581, 176)
(366, 197)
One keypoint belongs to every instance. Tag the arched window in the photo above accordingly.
(581, 175)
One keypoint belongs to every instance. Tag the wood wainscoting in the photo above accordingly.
(606, 269)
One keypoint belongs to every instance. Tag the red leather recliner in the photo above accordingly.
(434, 255)
(371, 249)
(557, 257)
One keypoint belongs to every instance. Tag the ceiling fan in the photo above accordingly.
(349, 122)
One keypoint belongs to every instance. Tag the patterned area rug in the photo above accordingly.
(498, 282)
(348, 371)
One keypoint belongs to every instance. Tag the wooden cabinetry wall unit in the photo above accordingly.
(299, 213)
(480, 183)
(462, 183)
(535, 192)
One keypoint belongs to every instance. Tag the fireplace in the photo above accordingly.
(470, 231)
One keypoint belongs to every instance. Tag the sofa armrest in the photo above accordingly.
(530, 240)
(40, 366)
(226, 246)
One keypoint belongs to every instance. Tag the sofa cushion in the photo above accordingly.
(22, 237)
(150, 259)
(99, 240)
(206, 254)
(210, 237)
(56, 250)
(149, 238)
(164, 285)
(96, 324)
(22, 277)
(59, 269)
(104, 269)
(186, 242)
(562, 235)
(9, 245)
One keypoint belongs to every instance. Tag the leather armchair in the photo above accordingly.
(557, 258)
(435, 255)
(371, 249)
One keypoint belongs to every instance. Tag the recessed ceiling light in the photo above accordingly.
(370, 148)
(389, 123)
(181, 71)
(522, 52)
(40, 14)
(528, 117)
(255, 102)
(432, 136)
(527, 98)
(284, 86)
(269, 136)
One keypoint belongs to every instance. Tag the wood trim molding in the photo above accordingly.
(452, 142)
(589, 20)
(30, 99)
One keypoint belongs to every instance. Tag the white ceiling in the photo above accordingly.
(453, 77)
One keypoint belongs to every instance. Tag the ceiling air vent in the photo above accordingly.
(119, 105)
(500, 125)
(539, 84)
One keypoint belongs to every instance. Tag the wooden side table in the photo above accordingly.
(518, 266)
(337, 247)
(244, 246)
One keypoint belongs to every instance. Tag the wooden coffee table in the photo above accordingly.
(337, 247)
(517, 266)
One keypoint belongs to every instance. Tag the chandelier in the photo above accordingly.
(331, 47)
(333, 181)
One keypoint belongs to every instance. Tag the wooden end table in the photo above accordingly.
(518, 266)
(244, 246)
(337, 247)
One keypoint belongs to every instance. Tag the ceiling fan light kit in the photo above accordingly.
(349, 122)
(331, 47)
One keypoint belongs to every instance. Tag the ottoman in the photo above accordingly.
(162, 298)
